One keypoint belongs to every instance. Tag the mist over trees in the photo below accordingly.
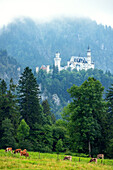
(34, 44)
(9, 67)
(66, 111)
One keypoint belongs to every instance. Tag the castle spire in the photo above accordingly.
(88, 49)
(88, 55)
(57, 60)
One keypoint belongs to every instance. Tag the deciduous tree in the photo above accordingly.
(87, 114)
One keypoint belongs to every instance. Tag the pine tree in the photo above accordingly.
(109, 98)
(50, 118)
(3, 99)
(29, 99)
(9, 104)
(8, 139)
(13, 114)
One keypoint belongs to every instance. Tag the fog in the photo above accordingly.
(99, 10)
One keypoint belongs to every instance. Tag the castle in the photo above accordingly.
(76, 62)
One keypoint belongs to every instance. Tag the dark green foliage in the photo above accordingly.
(109, 98)
(23, 130)
(50, 118)
(41, 137)
(22, 134)
(86, 125)
(59, 146)
(64, 79)
(61, 132)
(7, 139)
(13, 108)
(28, 92)
(87, 114)
(9, 104)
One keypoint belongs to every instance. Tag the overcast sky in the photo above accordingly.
(99, 10)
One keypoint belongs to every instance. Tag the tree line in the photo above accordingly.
(58, 83)
(86, 125)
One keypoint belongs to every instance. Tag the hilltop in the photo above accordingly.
(34, 44)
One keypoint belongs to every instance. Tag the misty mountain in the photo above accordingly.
(9, 67)
(33, 43)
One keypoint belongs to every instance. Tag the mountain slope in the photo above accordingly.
(34, 44)
(9, 68)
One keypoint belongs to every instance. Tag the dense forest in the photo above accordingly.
(66, 111)
(27, 122)
(33, 43)
(54, 86)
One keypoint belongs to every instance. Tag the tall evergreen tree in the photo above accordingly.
(50, 118)
(9, 104)
(29, 99)
(8, 139)
(109, 98)
(14, 114)
(3, 99)
(87, 114)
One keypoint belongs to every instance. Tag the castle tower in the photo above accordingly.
(89, 55)
(57, 60)
(48, 69)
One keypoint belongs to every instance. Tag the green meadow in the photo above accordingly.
(45, 161)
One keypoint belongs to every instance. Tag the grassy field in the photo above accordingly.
(44, 161)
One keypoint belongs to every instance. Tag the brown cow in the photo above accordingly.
(24, 154)
(93, 160)
(68, 158)
(24, 150)
(100, 156)
(17, 151)
(8, 149)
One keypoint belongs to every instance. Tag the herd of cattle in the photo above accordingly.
(24, 153)
(92, 159)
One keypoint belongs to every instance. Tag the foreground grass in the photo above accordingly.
(44, 161)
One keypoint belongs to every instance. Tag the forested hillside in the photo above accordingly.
(86, 126)
(9, 67)
(33, 43)
(54, 86)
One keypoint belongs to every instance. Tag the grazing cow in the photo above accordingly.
(93, 160)
(17, 151)
(8, 149)
(100, 156)
(68, 158)
(24, 150)
(24, 154)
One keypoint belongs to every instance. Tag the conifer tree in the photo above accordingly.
(50, 118)
(109, 98)
(13, 114)
(9, 104)
(29, 99)
(8, 139)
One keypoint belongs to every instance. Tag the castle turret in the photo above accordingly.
(57, 60)
(89, 55)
